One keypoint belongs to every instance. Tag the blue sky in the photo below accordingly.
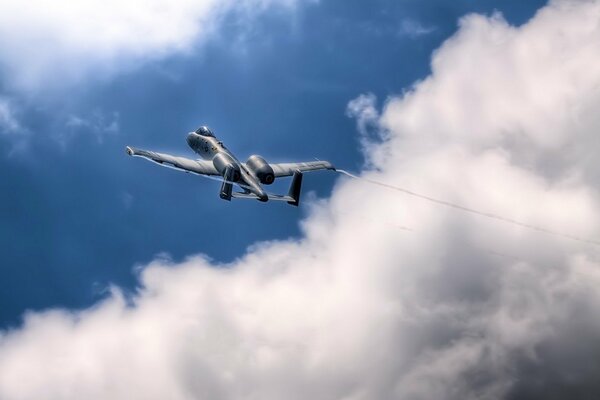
(78, 215)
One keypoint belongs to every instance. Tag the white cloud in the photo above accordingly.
(364, 110)
(8, 120)
(98, 123)
(414, 29)
(459, 307)
(48, 44)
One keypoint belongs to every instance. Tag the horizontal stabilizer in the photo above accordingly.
(276, 197)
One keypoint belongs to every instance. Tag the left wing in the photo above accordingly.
(288, 169)
(184, 164)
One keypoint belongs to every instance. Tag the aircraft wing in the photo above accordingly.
(184, 164)
(288, 169)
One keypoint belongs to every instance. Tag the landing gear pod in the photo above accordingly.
(227, 186)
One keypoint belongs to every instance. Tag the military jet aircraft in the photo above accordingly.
(249, 176)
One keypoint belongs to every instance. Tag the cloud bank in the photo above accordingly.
(386, 296)
(56, 44)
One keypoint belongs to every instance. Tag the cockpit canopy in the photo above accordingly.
(204, 131)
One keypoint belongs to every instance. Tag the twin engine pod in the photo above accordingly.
(226, 165)
(261, 168)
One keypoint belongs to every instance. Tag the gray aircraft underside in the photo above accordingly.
(249, 176)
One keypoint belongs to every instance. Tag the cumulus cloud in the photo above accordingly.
(45, 44)
(458, 307)
(364, 109)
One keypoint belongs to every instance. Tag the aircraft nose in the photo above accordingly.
(191, 139)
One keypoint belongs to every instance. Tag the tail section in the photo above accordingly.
(293, 196)
(295, 189)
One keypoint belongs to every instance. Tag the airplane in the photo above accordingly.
(249, 176)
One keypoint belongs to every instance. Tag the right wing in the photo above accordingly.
(185, 164)
(288, 169)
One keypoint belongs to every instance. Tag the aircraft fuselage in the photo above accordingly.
(207, 146)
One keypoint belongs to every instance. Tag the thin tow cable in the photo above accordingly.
(472, 210)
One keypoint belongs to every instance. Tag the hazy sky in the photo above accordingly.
(124, 280)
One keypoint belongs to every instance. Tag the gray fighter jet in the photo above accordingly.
(249, 176)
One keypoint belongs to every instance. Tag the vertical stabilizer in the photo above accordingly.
(295, 189)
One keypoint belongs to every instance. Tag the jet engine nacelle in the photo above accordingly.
(222, 162)
(261, 169)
